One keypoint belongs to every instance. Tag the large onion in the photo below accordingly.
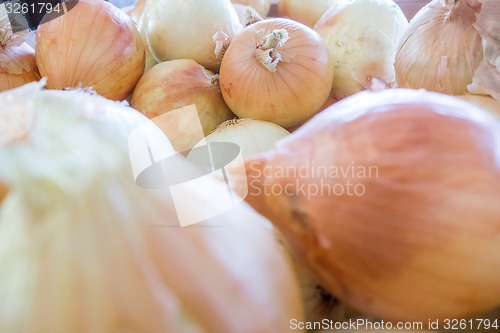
(362, 36)
(276, 70)
(261, 6)
(84, 249)
(175, 84)
(306, 12)
(17, 58)
(93, 45)
(191, 29)
(392, 199)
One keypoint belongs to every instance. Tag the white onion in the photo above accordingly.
(362, 36)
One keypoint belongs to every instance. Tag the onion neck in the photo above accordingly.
(267, 54)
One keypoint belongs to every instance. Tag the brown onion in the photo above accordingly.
(276, 70)
(93, 45)
(392, 200)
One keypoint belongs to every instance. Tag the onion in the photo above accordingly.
(84, 249)
(93, 45)
(17, 59)
(261, 6)
(485, 102)
(246, 14)
(136, 12)
(441, 49)
(253, 137)
(191, 29)
(175, 84)
(391, 199)
(362, 36)
(306, 12)
(276, 70)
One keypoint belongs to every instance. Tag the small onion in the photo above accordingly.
(362, 36)
(485, 102)
(199, 30)
(306, 12)
(175, 84)
(252, 136)
(276, 70)
(17, 58)
(392, 200)
(261, 6)
(93, 45)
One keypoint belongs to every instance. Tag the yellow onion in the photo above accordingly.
(392, 200)
(487, 103)
(175, 84)
(17, 58)
(276, 70)
(200, 30)
(83, 248)
(246, 14)
(93, 45)
(441, 48)
(252, 136)
(261, 6)
(306, 12)
(362, 36)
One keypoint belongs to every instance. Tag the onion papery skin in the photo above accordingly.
(93, 45)
(287, 96)
(305, 12)
(173, 84)
(85, 249)
(422, 239)
(440, 49)
(22, 54)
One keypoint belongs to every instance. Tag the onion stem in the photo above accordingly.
(267, 56)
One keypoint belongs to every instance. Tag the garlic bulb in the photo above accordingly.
(261, 6)
(391, 199)
(441, 48)
(306, 12)
(200, 30)
(17, 59)
(253, 137)
(93, 45)
(174, 84)
(84, 249)
(362, 36)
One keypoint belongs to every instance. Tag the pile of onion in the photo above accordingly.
(306, 12)
(17, 58)
(175, 84)
(83, 248)
(200, 30)
(362, 36)
(93, 45)
(276, 70)
(452, 47)
(392, 200)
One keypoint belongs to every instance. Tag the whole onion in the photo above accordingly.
(392, 200)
